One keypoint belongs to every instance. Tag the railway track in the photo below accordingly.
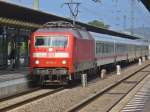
(107, 98)
(19, 94)
(15, 101)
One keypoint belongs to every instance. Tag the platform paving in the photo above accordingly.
(13, 81)
(8, 74)
(138, 100)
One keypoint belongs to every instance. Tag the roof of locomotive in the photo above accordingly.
(77, 32)
(66, 30)
(54, 30)
(116, 39)
(59, 26)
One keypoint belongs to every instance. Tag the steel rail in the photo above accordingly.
(88, 100)
(19, 94)
(7, 108)
(129, 91)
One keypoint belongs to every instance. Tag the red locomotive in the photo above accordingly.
(58, 51)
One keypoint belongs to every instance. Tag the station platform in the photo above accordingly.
(14, 81)
(8, 74)
(141, 100)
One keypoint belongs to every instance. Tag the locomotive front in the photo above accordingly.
(50, 57)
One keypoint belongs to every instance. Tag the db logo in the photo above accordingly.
(50, 54)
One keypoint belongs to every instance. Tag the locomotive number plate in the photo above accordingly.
(50, 54)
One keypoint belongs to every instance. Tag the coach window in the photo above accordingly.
(128, 48)
(101, 48)
(97, 48)
(121, 48)
(112, 48)
(104, 49)
(109, 48)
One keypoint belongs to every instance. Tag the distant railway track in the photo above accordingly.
(19, 94)
(15, 101)
(85, 104)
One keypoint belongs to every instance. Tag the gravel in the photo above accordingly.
(63, 100)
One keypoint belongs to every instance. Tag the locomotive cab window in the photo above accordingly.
(40, 42)
(51, 41)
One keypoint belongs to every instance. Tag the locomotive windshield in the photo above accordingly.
(51, 41)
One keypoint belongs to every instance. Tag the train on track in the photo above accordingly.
(60, 52)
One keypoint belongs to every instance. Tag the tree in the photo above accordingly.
(98, 24)
(97, 1)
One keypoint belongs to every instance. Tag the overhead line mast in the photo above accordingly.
(36, 4)
(132, 17)
(74, 9)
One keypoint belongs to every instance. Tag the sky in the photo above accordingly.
(115, 13)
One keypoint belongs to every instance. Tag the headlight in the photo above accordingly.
(64, 62)
(37, 62)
